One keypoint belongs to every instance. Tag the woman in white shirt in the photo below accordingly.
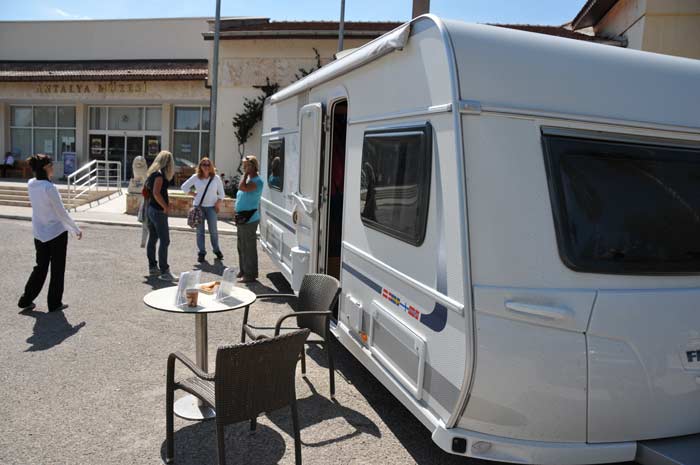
(50, 225)
(209, 202)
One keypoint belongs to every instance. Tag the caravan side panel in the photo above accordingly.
(408, 298)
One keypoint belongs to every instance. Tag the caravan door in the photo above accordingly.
(306, 209)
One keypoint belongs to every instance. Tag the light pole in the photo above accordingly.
(214, 83)
(420, 7)
(341, 26)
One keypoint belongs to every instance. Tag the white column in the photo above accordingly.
(166, 127)
(81, 134)
(4, 130)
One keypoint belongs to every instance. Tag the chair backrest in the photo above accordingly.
(318, 293)
(256, 377)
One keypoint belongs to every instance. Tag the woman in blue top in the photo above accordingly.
(247, 219)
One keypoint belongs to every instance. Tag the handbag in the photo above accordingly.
(194, 216)
(243, 216)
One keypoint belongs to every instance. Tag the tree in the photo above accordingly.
(245, 121)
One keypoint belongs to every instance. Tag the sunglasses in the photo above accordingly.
(205, 164)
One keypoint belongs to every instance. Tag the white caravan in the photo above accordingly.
(515, 221)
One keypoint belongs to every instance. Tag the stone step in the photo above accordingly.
(20, 198)
(27, 203)
(64, 194)
(15, 203)
(13, 196)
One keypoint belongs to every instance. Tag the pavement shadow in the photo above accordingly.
(50, 329)
(216, 268)
(195, 444)
(156, 283)
(409, 431)
(280, 282)
(316, 409)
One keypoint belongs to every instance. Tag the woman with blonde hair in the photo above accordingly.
(247, 218)
(208, 194)
(159, 175)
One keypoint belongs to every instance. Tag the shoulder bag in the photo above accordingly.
(194, 216)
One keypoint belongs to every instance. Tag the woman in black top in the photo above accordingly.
(160, 174)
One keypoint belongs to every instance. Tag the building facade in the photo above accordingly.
(671, 27)
(117, 89)
(109, 90)
(256, 51)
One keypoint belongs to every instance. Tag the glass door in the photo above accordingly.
(134, 148)
(115, 148)
(124, 149)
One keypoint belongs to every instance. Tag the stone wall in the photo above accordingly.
(180, 204)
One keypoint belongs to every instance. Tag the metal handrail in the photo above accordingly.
(93, 175)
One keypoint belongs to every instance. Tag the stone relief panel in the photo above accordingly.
(248, 72)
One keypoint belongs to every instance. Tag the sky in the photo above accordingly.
(554, 12)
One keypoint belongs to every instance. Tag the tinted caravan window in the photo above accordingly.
(625, 207)
(395, 181)
(275, 164)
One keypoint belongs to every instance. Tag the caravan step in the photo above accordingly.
(684, 450)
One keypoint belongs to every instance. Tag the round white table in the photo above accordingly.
(189, 407)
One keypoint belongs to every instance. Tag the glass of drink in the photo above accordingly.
(192, 297)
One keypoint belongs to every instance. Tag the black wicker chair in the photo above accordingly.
(317, 297)
(250, 379)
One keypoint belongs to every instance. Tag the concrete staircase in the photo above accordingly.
(17, 196)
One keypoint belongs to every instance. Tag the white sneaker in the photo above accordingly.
(168, 276)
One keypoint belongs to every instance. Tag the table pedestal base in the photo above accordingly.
(188, 408)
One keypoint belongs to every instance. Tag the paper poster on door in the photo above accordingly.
(96, 146)
(69, 160)
(153, 146)
(48, 146)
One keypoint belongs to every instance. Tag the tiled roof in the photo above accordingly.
(107, 70)
(561, 32)
(264, 28)
(592, 12)
(318, 25)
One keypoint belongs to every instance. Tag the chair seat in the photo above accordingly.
(254, 331)
(200, 388)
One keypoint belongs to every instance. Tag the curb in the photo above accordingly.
(116, 223)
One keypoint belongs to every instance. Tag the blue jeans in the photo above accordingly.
(158, 230)
(208, 216)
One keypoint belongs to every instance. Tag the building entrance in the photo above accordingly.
(124, 133)
(124, 148)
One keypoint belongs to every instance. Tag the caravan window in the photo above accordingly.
(395, 181)
(275, 164)
(625, 207)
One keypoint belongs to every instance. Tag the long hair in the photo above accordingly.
(164, 162)
(212, 168)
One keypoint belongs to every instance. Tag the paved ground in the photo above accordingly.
(109, 211)
(87, 386)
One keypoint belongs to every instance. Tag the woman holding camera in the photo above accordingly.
(208, 195)
(247, 218)
(50, 225)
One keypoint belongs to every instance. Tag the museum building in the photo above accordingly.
(118, 89)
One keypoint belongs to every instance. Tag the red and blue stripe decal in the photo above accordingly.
(436, 320)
